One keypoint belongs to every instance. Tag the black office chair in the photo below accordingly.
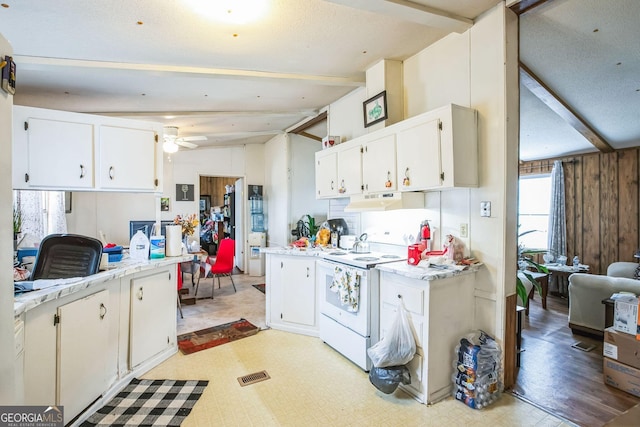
(62, 256)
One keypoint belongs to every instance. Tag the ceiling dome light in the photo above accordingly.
(169, 146)
(231, 11)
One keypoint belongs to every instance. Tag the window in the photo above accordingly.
(43, 212)
(534, 198)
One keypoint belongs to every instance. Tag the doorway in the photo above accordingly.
(222, 214)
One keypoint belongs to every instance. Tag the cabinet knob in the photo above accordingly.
(399, 296)
(103, 311)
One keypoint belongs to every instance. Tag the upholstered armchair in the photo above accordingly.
(586, 292)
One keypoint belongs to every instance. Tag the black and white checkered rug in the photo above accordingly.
(150, 403)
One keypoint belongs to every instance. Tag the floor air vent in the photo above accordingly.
(253, 378)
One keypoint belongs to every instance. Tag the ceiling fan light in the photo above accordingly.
(169, 147)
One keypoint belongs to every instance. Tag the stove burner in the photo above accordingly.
(390, 256)
(366, 258)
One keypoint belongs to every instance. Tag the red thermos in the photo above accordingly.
(425, 235)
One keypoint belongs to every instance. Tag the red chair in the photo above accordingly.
(223, 264)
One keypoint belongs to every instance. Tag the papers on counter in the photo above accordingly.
(34, 285)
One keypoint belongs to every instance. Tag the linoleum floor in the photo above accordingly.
(310, 384)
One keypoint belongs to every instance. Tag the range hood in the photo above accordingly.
(385, 202)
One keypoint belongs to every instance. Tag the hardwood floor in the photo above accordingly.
(560, 379)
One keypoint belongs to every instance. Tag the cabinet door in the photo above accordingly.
(127, 159)
(82, 352)
(350, 170)
(153, 315)
(299, 291)
(419, 156)
(60, 154)
(274, 266)
(326, 174)
(379, 165)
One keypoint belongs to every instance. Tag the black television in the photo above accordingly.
(146, 227)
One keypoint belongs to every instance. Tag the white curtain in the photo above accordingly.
(43, 212)
(557, 235)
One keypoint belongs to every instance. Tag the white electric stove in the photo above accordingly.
(351, 332)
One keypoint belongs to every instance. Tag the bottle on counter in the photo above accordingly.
(139, 246)
(576, 262)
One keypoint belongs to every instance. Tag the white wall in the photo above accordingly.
(7, 388)
(302, 183)
(469, 69)
(345, 116)
(276, 155)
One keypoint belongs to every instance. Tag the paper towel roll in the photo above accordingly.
(174, 240)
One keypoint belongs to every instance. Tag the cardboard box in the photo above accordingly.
(621, 376)
(625, 314)
(622, 347)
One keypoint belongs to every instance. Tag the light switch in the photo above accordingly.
(485, 208)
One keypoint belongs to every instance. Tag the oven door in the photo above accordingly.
(332, 307)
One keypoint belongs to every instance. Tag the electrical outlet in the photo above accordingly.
(485, 208)
(464, 230)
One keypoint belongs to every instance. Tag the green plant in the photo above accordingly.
(523, 258)
(17, 221)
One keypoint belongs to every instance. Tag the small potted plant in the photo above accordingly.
(17, 226)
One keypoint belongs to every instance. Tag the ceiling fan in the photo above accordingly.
(172, 141)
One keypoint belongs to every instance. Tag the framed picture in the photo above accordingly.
(184, 193)
(375, 109)
(254, 190)
(205, 203)
(164, 204)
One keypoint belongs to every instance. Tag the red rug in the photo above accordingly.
(211, 337)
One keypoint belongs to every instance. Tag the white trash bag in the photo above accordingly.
(398, 346)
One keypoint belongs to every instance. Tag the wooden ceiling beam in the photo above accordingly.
(311, 122)
(524, 6)
(561, 108)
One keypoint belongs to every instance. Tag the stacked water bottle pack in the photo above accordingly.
(476, 380)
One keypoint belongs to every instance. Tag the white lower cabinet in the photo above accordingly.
(441, 312)
(153, 296)
(83, 352)
(292, 294)
(79, 347)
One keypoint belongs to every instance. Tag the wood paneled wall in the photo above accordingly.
(215, 187)
(601, 194)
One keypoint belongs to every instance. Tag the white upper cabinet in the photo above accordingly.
(419, 156)
(59, 150)
(438, 150)
(339, 171)
(127, 159)
(432, 151)
(349, 169)
(379, 164)
(71, 144)
(326, 174)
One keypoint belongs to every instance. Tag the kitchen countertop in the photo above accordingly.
(310, 252)
(420, 272)
(30, 300)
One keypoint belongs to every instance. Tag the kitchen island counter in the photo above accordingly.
(29, 300)
(420, 272)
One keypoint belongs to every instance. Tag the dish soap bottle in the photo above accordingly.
(139, 247)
